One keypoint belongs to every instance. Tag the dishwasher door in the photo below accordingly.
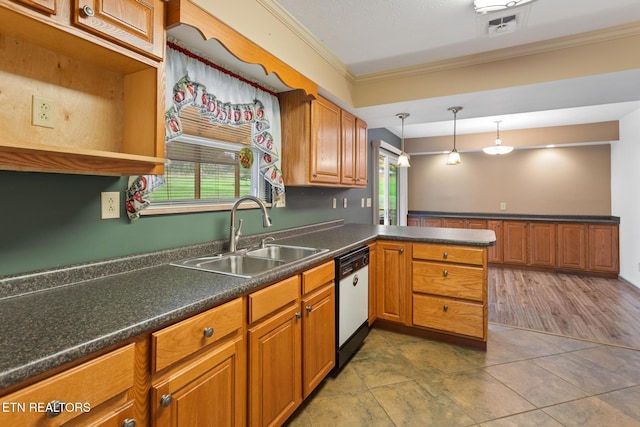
(354, 303)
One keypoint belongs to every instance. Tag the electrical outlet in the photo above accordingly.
(368, 202)
(43, 111)
(110, 206)
(503, 206)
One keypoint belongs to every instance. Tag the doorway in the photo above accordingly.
(390, 186)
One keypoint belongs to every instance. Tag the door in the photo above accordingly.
(388, 190)
(390, 208)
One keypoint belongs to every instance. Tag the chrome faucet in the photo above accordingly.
(234, 234)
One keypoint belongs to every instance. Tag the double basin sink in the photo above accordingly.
(250, 262)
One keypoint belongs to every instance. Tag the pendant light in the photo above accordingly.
(403, 159)
(498, 148)
(454, 156)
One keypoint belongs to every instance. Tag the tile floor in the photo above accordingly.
(525, 378)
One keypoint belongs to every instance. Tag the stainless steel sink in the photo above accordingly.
(232, 265)
(250, 263)
(284, 252)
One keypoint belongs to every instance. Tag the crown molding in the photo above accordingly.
(311, 40)
(590, 37)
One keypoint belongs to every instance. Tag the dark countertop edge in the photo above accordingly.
(18, 374)
(520, 217)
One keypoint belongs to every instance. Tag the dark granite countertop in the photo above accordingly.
(595, 219)
(44, 329)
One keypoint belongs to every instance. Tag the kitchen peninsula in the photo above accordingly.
(127, 302)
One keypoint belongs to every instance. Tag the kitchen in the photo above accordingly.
(41, 238)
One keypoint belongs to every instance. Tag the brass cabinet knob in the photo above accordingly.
(208, 332)
(445, 255)
(445, 308)
(298, 315)
(129, 422)
(309, 308)
(445, 273)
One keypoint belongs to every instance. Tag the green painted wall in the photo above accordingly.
(53, 220)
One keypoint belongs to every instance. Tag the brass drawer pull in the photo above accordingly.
(445, 273)
(445, 308)
(445, 255)
(208, 332)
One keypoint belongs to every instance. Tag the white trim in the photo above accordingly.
(403, 181)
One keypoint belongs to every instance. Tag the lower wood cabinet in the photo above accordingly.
(449, 289)
(96, 393)
(572, 246)
(515, 242)
(200, 366)
(208, 391)
(542, 244)
(291, 343)
(585, 247)
(391, 276)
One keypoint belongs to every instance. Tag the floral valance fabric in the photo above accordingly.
(223, 99)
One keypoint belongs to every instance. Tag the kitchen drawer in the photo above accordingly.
(444, 314)
(81, 389)
(184, 338)
(457, 254)
(452, 280)
(318, 276)
(273, 298)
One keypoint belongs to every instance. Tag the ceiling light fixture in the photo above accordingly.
(403, 159)
(498, 148)
(454, 156)
(485, 6)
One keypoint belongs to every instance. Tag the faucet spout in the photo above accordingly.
(233, 235)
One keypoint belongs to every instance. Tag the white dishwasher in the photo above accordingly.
(352, 303)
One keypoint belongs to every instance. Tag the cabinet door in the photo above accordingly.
(572, 246)
(453, 223)
(432, 222)
(318, 337)
(391, 278)
(414, 221)
(542, 240)
(515, 242)
(275, 372)
(361, 153)
(325, 142)
(495, 252)
(207, 392)
(47, 6)
(132, 23)
(603, 248)
(476, 224)
(348, 137)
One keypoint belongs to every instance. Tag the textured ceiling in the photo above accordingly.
(371, 36)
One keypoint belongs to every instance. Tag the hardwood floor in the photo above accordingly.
(592, 308)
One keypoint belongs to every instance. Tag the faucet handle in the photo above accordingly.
(239, 231)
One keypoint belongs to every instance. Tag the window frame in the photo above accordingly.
(209, 205)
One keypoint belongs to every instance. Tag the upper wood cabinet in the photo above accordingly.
(322, 145)
(135, 24)
(108, 100)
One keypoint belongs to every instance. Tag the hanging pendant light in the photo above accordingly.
(454, 156)
(498, 149)
(403, 159)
